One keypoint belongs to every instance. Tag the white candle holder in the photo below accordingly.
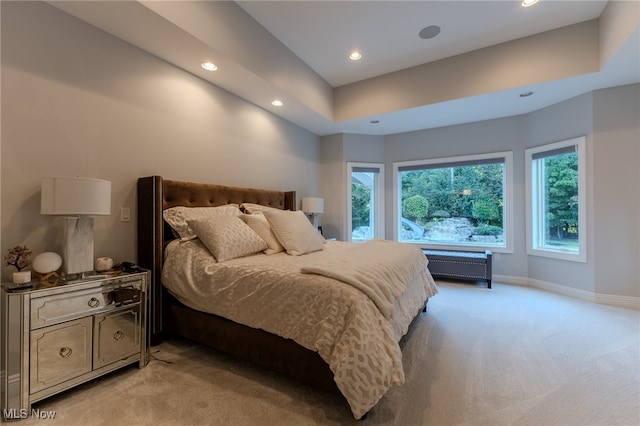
(21, 277)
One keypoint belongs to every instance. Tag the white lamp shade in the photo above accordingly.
(313, 205)
(75, 196)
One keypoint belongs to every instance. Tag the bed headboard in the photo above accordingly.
(156, 194)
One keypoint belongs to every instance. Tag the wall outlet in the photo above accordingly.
(496, 256)
(125, 214)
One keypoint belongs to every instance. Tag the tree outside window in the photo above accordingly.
(555, 200)
(454, 201)
(561, 199)
(360, 205)
(365, 201)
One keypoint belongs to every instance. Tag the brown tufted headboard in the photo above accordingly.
(156, 194)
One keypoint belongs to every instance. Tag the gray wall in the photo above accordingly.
(78, 101)
(507, 134)
(616, 200)
(610, 120)
(566, 120)
(336, 151)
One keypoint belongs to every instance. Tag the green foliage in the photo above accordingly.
(488, 230)
(485, 210)
(454, 190)
(360, 202)
(415, 208)
(561, 175)
(475, 192)
(440, 214)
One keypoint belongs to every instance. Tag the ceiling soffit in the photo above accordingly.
(256, 66)
(553, 55)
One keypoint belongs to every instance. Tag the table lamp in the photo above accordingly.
(78, 199)
(313, 206)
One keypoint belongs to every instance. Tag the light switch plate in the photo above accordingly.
(125, 214)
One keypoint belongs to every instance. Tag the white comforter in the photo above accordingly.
(338, 320)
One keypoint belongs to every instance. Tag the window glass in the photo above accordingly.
(458, 201)
(365, 201)
(555, 187)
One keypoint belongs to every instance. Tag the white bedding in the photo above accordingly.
(337, 320)
(378, 270)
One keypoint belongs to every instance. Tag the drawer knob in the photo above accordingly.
(65, 352)
(118, 335)
(93, 302)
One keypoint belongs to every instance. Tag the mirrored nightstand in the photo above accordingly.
(58, 335)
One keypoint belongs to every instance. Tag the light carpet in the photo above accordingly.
(506, 356)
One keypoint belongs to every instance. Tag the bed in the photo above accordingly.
(310, 313)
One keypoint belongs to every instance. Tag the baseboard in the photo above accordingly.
(628, 302)
(510, 279)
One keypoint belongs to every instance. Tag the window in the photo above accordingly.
(365, 201)
(453, 202)
(556, 200)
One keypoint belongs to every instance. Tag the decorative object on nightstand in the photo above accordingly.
(46, 265)
(18, 257)
(56, 336)
(78, 199)
(104, 264)
(313, 206)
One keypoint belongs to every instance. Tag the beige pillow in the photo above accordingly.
(177, 217)
(294, 231)
(227, 237)
(258, 222)
(255, 208)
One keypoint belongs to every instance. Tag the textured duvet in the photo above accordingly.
(322, 313)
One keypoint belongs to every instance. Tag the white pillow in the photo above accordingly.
(177, 217)
(294, 231)
(227, 237)
(258, 222)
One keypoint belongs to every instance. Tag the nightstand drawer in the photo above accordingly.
(60, 353)
(116, 335)
(56, 308)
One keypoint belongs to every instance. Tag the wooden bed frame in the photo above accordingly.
(168, 316)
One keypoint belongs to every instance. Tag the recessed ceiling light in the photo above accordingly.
(429, 32)
(277, 102)
(527, 3)
(355, 55)
(525, 94)
(209, 66)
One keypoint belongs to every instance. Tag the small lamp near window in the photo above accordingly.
(313, 207)
(78, 199)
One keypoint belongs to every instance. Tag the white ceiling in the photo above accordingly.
(322, 33)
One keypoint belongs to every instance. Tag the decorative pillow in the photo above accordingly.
(255, 208)
(177, 217)
(227, 237)
(258, 222)
(294, 231)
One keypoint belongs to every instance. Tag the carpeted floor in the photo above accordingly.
(507, 356)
